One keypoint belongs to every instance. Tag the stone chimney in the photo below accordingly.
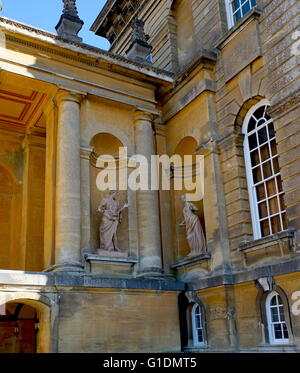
(70, 24)
(140, 49)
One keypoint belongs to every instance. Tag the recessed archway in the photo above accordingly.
(25, 324)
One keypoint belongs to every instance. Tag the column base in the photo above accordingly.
(71, 267)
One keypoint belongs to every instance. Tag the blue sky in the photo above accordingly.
(45, 14)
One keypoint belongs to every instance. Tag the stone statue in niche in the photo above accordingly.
(194, 231)
(111, 218)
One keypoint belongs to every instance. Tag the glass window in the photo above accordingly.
(263, 174)
(236, 9)
(278, 332)
(197, 324)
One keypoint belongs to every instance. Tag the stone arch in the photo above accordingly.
(187, 301)
(261, 309)
(182, 13)
(186, 146)
(45, 314)
(241, 115)
(103, 144)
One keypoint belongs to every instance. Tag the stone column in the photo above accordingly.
(68, 209)
(147, 202)
(85, 199)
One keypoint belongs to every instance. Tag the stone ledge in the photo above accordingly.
(108, 259)
(249, 274)
(190, 261)
(255, 244)
(275, 246)
(60, 279)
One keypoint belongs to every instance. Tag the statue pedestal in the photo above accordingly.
(112, 254)
(193, 267)
(109, 264)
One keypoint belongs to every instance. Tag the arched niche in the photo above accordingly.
(182, 12)
(106, 144)
(186, 146)
(25, 314)
(10, 220)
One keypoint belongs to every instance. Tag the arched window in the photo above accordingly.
(263, 174)
(277, 327)
(197, 326)
(236, 9)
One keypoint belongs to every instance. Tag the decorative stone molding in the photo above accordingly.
(276, 246)
(266, 283)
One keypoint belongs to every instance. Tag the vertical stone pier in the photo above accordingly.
(147, 202)
(68, 209)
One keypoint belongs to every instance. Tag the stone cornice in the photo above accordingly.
(78, 51)
(283, 106)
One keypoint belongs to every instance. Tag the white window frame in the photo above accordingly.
(272, 339)
(229, 11)
(196, 342)
(257, 234)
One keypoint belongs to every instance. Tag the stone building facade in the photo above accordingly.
(216, 78)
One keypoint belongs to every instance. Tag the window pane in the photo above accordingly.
(281, 313)
(264, 152)
(285, 331)
(273, 206)
(274, 301)
(282, 203)
(274, 314)
(260, 191)
(276, 165)
(246, 8)
(259, 113)
(265, 229)
(252, 142)
(237, 16)
(253, 3)
(257, 177)
(252, 125)
(262, 135)
(267, 169)
(278, 331)
(271, 188)
(254, 158)
(271, 130)
(274, 147)
(263, 211)
(200, 335)
(284, 221)
(235, 4)
(279, 184)
(275, 223)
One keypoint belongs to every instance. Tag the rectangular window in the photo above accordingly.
(236, 9)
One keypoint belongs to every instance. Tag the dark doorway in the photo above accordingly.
(19, 326)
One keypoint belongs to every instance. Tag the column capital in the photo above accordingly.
(140, 114)
(69, 95)
(85, 152)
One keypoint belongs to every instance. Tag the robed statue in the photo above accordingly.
(194, 232)
(111, 218)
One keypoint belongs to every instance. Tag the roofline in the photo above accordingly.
(103, 13)
(91, 51)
